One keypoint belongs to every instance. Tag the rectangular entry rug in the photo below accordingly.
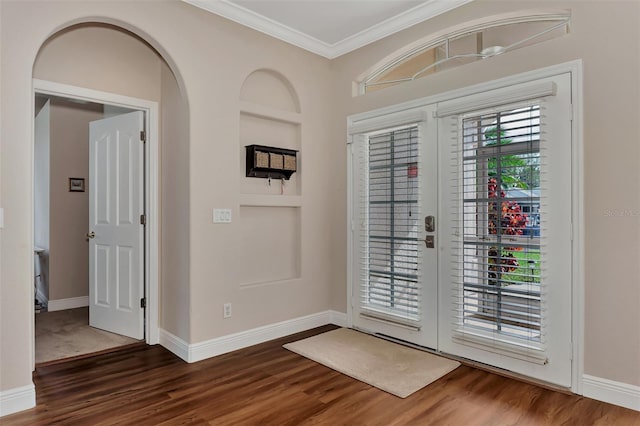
(394, 368)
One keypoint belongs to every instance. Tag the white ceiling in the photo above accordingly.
(328, 27)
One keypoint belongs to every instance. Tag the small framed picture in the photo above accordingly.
(76, 184)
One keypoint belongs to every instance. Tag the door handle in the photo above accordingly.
(430, 223)
(90, 235)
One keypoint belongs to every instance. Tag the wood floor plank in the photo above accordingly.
(269, 385)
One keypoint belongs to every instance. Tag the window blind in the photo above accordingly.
(499, 298)
(390, 244)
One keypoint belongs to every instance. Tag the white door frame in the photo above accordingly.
(577, 174)
(152, 179)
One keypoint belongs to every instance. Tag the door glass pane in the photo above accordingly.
(392, 275)
(501, 204)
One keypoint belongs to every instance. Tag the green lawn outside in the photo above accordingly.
(524, 272)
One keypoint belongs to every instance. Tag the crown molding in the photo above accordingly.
(248, 18)
(265, 25)
(423, 12)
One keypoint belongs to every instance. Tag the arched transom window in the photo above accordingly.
(462, 46)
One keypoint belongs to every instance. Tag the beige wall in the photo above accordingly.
(101, 57)
(69, 211)
(174, 238)
(611, 153)
(201, 265)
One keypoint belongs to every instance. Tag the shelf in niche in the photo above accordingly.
(251, 200)
(271, 113)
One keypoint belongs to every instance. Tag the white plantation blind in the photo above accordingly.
(499, 296)
(390, 210)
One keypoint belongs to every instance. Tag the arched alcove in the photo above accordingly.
(270, 209)
(271, 89)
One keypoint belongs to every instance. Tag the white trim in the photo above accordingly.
(265, 25)
(174, 344)
(427, 10)
(497, 98)
(423, 12)
(70, 303)
(578, 230)
(338, 318)
(616, 393)
(17, 399)
(350, 223)
(387, 121)
(195, 352)
(524, 77)
(151, 181)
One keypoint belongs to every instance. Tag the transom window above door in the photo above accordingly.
(470, 43)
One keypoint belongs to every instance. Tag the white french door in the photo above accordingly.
(394, 208)
(506, 287)
(485, 179)
(116, 235)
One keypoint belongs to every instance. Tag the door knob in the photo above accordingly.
(91, 234)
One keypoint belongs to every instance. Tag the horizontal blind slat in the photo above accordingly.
(390, 206)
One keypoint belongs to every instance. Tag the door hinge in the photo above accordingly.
(143, 136)
(143, 302)
(143, 219)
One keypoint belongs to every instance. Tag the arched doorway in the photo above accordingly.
(104, 64)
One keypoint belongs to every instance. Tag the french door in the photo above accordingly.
(461, 226)
(394, 210)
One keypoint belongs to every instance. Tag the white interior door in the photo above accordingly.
(116, 236)
(394, 188)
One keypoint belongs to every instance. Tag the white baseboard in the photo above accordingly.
(221, 345)
(338, 318)
(616, 393)
(70, 303)
(17, 399)
(174, 344)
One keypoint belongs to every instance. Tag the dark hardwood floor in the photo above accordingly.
(268, 385)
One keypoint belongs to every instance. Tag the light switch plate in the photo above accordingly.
(221, 215)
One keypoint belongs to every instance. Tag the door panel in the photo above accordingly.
(506, 250)
(394, 289)
(116, 251)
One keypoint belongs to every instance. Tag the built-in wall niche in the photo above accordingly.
(270, 89)
(270, 116)
(269, 246)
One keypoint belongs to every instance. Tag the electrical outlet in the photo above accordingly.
(221, 215)
(226, 310)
